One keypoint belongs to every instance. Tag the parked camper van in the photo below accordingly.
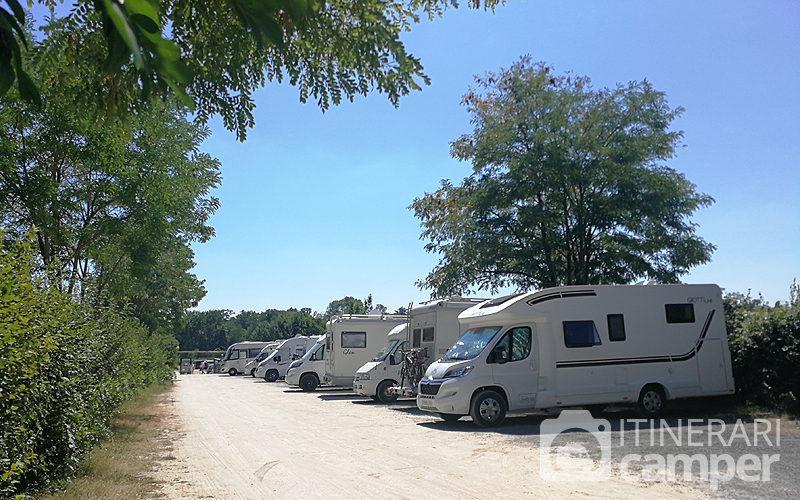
(434, 328)
(237, 356)
(583, 345)
(353, 340)
(376, 377)
(275, 365)
(251, 365)
(310, 369)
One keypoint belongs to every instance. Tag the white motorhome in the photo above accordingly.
(238, 354)
(352, 341)
(274, 367)
(252, 365)
(580, 346)
(310, 369)
(434, 327)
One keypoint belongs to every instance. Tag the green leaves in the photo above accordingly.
(566, 188)
(11, 67)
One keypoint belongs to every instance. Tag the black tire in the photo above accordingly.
(652, 401)
(253, 373)
(449, 417)
(488, 409)
(232, 372)
(271, 375)
(383, 395)
(309, 382)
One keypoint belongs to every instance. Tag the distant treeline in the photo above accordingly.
(217, 329)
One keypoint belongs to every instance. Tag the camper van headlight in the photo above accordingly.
(458, 372)
(295, 364)
(363, 376)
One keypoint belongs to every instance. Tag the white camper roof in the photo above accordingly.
(398, 332)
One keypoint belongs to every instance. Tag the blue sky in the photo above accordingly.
(314, 206)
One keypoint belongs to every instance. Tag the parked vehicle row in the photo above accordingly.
(586, 346)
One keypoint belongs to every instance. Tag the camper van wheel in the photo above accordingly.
(384, 394)
(232, 372)
(488, 409)
(449, 417)
(271, 376)
(253, 373)
(308, 382)
(652, 401)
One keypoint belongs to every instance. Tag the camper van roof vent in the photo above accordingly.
(562, 295)
(501, 300)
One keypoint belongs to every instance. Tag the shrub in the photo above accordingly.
(64, 370)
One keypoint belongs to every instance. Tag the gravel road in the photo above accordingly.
(243, 438)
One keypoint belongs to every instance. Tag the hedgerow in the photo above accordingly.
(65, 368)
(765, 351)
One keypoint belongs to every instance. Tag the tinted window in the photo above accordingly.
(319, 355)
(680, 313)
(616, 327)
(427, 334)
(580, 334)
(234, 354)
(354, 339)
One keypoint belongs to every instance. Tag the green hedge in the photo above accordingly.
(64, 370)
(765, 351)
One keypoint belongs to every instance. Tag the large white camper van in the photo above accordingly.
(238, 354)
(308, 371)
(277, 363)
(432, 326)
(583, 345)
(353, 340)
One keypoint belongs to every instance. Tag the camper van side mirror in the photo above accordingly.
(277, 359)
(500, 355)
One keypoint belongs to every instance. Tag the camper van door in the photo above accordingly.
(515, 365)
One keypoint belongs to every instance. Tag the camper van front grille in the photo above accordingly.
(429, 389)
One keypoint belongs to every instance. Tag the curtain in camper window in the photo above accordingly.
(354, 340)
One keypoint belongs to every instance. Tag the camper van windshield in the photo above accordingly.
(385, 351)
(471, 343)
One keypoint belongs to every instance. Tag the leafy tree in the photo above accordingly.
(115, 203)
(566, 188)
(347, 305)
(221, 52)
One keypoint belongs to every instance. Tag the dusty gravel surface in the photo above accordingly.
(241, 438)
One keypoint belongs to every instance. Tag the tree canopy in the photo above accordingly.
(114, 204)
(216, 54)
(566, 188)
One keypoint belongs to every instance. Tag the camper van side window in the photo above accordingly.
(580, 334)
(234, 354)
(416, 334)
(616, 327)
(354, 340)
(680, 313)
(252, 353)
(427, 334)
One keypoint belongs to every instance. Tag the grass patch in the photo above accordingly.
(122, 467)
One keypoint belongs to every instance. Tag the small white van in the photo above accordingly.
(238, 354)
(252, 365)
(310, 369)
(583, 345)
(376, 377)
(274, 367)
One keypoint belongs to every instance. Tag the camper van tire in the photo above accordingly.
(253, 373)
(309, 382)
(271, 375)
(384, 393)
(488, 409)
(450, 417)
(652, 401)
(232, 372)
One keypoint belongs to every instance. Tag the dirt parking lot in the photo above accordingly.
(243, 438)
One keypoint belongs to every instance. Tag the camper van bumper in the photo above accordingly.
(292, 376)
(444, 396)
(333, 381)
(365, 387)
